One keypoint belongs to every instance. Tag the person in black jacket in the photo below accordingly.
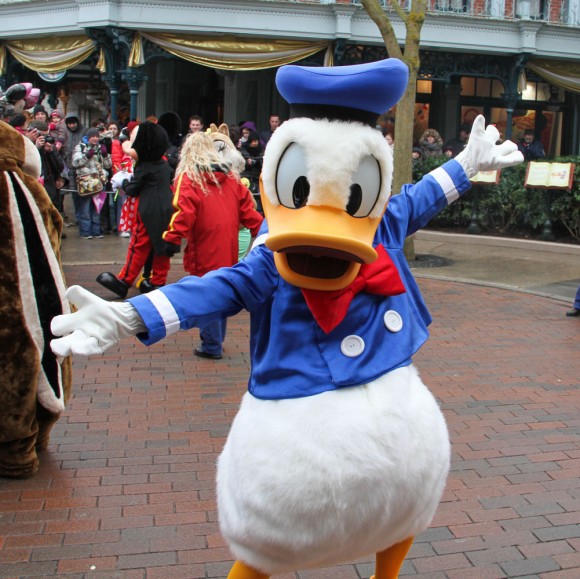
(151, 183)
(51, 159)
(253, 154)
(531, 149)
(171, 122)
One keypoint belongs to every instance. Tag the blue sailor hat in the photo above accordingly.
(359, 92)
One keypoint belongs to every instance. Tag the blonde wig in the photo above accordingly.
(199, 159)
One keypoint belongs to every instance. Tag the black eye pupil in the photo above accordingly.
(355, 199)
(300, 192)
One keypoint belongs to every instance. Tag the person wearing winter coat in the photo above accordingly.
(245, 129)
(90, 157)
(57, 128)
(73, 135)
(253, 154)
(151, 183)
(209, 204)
(431, 144)
(51, 161)
(531, 149)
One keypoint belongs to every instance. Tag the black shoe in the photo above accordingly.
(113, 283)
(146, 286)
(201, 354)
(574, 313)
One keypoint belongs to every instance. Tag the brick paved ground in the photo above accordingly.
(126, 488)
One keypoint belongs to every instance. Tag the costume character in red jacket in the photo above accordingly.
(209, 205)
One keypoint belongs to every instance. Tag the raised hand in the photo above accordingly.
(481, 152)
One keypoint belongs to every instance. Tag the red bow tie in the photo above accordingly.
(380, 278)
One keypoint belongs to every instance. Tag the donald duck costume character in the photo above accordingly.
(338, 450)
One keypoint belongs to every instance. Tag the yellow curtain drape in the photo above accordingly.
(228, 52)
(102, 62)
(2, 59)
(136, 56)
(560, 73)
(50, 54)
(329, 55)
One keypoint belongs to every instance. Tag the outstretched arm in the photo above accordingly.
(417, 204)
(191, 302)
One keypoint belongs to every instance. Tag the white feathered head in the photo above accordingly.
(327, 173)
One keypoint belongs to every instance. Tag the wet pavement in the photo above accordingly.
(126, 487)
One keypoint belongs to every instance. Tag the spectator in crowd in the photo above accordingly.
(253, 154)
(531, 149)
(73, 135)
(246, 128)
(274, 122)
(57, 128)
(110, 137)
(90, 157)
(171, 122)
(431, 144)
(39, 114)
(458, 143)
(108, 223)
(151, 182)
(20, 123)
(123, 162)
(448, 152)
(209, 205)
(113, 129)
(195, 124)
(51, 163)
(62, 188)
(390, 141)
(416, 158)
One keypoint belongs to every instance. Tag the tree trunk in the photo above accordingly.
(403, 167)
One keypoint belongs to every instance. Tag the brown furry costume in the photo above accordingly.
(34, 385)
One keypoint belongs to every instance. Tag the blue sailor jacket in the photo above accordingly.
(291, 356)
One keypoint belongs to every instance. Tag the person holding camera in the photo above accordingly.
(90, 157)
(253, 153)
(52, 162)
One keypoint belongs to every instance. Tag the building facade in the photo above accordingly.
(516, 61)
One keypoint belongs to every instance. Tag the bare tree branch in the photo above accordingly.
(378, 15)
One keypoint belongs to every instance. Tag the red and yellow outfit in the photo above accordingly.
(210, 221)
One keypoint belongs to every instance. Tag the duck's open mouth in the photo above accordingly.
(319, 262)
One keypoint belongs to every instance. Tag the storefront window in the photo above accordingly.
(481, 87)
(469, 113)
(425, 86)
(548, 124)
(536, 91)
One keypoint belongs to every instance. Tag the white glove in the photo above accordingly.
(118, 178)
(481, 152)
(95, 327)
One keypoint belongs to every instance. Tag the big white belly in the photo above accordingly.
(317, 481)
